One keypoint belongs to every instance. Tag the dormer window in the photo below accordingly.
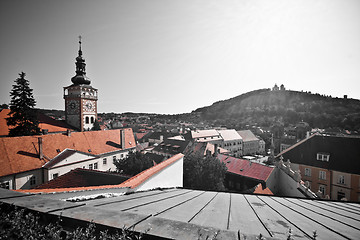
(323, 157)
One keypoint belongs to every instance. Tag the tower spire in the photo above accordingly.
(80, 77)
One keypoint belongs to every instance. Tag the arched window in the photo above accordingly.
(87, 120)
(92, 119)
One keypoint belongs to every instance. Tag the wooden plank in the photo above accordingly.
(128, 197)
(167, 204)
(299, 221)
(243, 218)
(274, 222)
(186, 211)
(327, 212)
(134, 202)
(215, 214)
(332, 208)
(332, 225)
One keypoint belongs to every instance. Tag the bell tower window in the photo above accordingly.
(87, 120)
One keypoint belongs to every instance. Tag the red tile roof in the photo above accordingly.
(260, 190)
(83, 178)
(133, 182)
(246, 168)
(19, 154)
(45, 122)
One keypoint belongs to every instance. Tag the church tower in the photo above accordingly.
(80, 98)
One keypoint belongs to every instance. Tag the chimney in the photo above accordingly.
(68, 132)
(41, 154)
(45, 131)
(122, 138)
(216, 150)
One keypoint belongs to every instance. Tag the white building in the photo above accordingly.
(232, 141)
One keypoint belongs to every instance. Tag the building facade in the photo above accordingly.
(330, 165)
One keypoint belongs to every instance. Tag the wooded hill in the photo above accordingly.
(264, 107)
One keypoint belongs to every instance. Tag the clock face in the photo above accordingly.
(88, 106)
(73, 106)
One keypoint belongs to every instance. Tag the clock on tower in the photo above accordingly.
(80, 98)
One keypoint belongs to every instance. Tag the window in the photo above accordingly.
(92, 119)
(55, 175)
(322, 175)
(121, 155)
(322, 157)
(5, 185)
(90, 166)
(104, 161)
(96, 165)
(87, 120)
(322, 189)
(341, 179)
(340, 195)
(32, 180)
(114, 158)
(308, 172)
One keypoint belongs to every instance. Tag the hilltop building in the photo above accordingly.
(80, 98)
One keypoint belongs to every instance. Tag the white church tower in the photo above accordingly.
(80, 98)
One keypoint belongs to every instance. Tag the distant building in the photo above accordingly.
(250, 142)
(330, 164)
(275, 87)
(170, 147)
(232, 141)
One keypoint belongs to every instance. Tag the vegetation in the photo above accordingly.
(264, 107)
(205, 173)
(22, 116)
(19, 224)
(96, 126)
(134, 163)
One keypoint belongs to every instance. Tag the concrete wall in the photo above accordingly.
(170, 176)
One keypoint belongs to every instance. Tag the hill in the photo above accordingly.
(264, 107)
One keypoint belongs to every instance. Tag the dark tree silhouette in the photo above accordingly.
(204, 172)
(134, 163)
(96, 126)
(22, 116)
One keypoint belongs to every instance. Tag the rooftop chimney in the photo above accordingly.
(215, 149)
(41, 154)
(68, 132)
(122, 138)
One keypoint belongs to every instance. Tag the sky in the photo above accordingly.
(174, 56)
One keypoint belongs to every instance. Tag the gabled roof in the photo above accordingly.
(344, 152)
(247, 135)
(20, 154)
(140, 178)
(131, 183)
(259, 190)
(83, 178)
(45, 122)
(229, 134)
(246, 168)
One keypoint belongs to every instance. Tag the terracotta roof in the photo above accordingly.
(246, 168)
(45, 122)
(247, 135)
(83, 178)
(260, 190)
(133, 182)
(19, 154)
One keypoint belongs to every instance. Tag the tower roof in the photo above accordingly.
(80, 77)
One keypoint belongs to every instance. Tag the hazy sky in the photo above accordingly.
(173, 56)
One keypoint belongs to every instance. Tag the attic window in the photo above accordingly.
(89, 150)
(130, 143)
(57, 150)
(323, 157)
(241, 170)
(229, 161)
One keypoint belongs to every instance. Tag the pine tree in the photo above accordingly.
(22, 116)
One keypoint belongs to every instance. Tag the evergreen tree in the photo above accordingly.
(22, 116)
